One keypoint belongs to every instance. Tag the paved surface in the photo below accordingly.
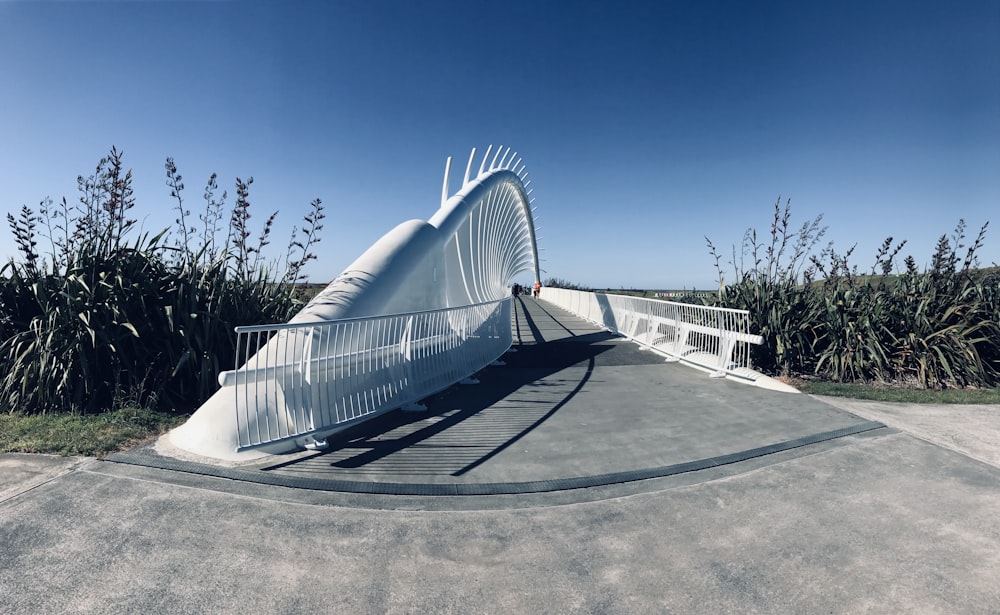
(574, 407)
(876, 521)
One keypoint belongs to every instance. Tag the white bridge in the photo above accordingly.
(426, 307)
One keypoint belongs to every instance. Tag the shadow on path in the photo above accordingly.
(583, 407)
(445, 440)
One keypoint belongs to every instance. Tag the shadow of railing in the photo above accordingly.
(607, 312)
(465, 427)
(520, 309)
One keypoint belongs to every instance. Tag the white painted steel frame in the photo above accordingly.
(489, 229)
(712, 338)
(323, 376)
(317, 371)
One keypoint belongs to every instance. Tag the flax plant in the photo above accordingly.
(765, 284)
(932, 329)
(105, 319)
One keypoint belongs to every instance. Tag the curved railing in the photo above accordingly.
(321, 375)
(712, 338)
(421, 309)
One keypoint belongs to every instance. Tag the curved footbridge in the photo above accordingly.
(575, 411)
(357, 392)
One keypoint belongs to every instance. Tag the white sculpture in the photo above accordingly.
(341, 359)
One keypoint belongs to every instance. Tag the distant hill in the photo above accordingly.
(668, 295)
(982, 273)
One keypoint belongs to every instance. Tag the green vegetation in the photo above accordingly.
(106, 320)
(561, 283)
(896, 394)
(935, 329)
(76, 434)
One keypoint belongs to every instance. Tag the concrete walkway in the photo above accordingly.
(585, 476)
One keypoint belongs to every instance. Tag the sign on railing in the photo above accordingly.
(713, 338)
(302, 379)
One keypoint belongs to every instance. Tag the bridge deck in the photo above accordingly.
(574, 407)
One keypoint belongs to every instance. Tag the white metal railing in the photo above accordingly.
(300, 379)
(717, 339)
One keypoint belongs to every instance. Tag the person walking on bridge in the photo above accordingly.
(538, 289)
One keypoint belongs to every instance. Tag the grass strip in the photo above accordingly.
(98, 435)
(91, 435)
(912, 396)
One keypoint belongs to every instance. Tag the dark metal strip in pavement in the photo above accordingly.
(509, 488)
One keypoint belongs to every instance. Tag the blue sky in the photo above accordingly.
(645, 126)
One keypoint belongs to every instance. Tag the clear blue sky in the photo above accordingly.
(645, 126)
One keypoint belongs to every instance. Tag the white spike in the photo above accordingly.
(495, 154)
(468, 167)
(482, 165)
(526, 184)
(513, 167)
(444, 186)
(509, 165)
(503, 158)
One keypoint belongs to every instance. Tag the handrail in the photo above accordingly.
(713, 338)
(305, 379)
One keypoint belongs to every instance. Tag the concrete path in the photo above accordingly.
(875, 520)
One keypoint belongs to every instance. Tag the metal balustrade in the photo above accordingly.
(299, 380)
(716, 339)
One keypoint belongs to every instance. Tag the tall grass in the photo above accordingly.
(819, 316)
(108, 316)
